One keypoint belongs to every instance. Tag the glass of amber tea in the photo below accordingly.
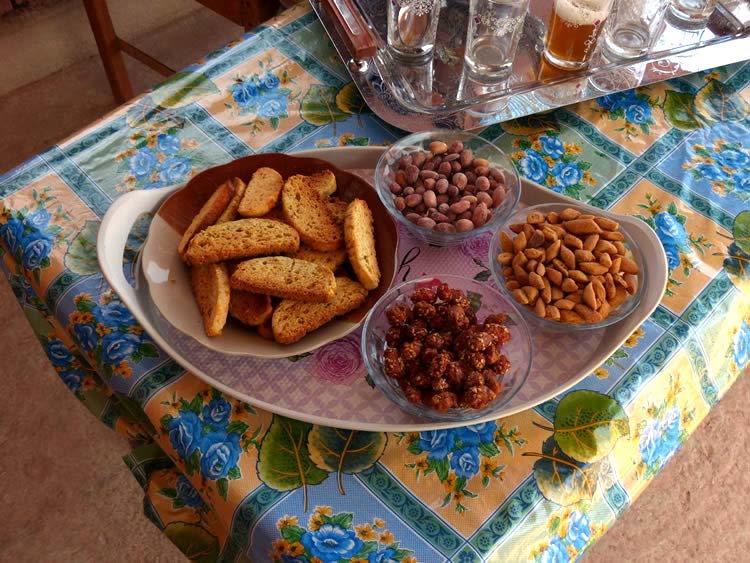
(573, 32)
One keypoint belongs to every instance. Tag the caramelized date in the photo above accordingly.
(434, 340)
(410, 351)
(428, 294)
(492, 355)
(455, 375)
(398, 314)
(502, 365)
(493, 384)
(476, 360)
(480, 341)
(443, 401)
(393, 364)
(416, 331)
(393, 336)
(474, 379)
(499, 332)
(439, 364)
(424, 310)
(497, 318)
(477, 397)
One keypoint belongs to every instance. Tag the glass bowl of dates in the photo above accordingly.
(447, 186)
(447, 348)
(567, 267)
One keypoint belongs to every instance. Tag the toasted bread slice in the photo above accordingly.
(360, 243)
(292, 320)
(285, 277)
(262, 193)
(265, 330)
(211, 289)
(306, 211)
(276, 214)
(250, 308)
(337, 208)
(323, 182)
(230, 213)
(208, 215)
(243, 238)
(331, 259)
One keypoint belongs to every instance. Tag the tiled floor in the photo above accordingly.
(66, 494)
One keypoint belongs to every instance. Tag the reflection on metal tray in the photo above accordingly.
(439, 93)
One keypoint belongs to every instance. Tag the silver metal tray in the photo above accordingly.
(438, 92)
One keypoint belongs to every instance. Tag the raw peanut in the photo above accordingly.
(582, 227)
(605, 246)
(540, 308)
(568, 285)
(632, 281)
(535, 280)
(554, 276)
(599, 291)
(506, 243)
(549, 234)
(541, 269)
(507, 271)
(505, 258)
(552, 312)
(564, 304)
(605, 260)
(589, 297)
(584, 256)
(478, 162)
(607, 224)
(537, 239)
(590, 242)
(516, 227)
(578, 276)
(512, 284)
(464, 225)
(531, 293)
(438, 147)
(612, 235)
(620, 247)
(528, 230)
(568, 257)
(588, 314)
(571, 317)
(521, 275)
(520, 296)
(616, 265)
(535, 217)
(560, 266)
(553, 217)
(574, 297)
(546, 294)
(568, 214)
(519, 259)
(519, 242)
(619, 297)
(557, 293)
(609, 285)
(605, 309)
(628, 266)
(593, 268)
(531, 265)
(572, 241)
(552, 250)
(534, 253)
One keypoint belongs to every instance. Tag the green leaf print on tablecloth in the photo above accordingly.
(713, 103)
(194, 541)
(561, 478)
(319, 106)
(81, 256)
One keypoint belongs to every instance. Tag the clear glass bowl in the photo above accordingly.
(386, 169)
(519, 350)
(625, 308)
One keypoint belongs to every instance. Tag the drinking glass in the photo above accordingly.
(632, 27)
(412, 26)
(573, 32)
(692, 11)
(495, 26)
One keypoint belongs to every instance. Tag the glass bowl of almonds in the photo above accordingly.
(568, 267)
(447, 186)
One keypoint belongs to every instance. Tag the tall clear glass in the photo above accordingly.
(573, 32)
(692, 11)
(632, 27)
(412, 26)
(495, 27)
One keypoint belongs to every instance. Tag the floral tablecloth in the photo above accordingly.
(226, 481)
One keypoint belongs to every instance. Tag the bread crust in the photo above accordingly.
(306, 211)
(210, 283)
(280, 276)
(262, 193)
(208, 215)
(360, 243)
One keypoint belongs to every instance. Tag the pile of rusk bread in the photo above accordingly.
(271, 254)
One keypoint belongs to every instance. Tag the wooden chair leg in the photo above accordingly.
(109, 49)
(255, 12)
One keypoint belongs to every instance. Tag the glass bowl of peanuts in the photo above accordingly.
(568, 267)
(447, 348)
(447, 186)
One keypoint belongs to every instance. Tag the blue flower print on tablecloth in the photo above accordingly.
(183, 494)
(263, 96)
(726, 166)
(741, 347)
(457, 455)
(209, 433)
(679, 245)
(156, 159)
(331, 537)
(635, 109)
(548, 161)
(571, 533)
(556, 552)
(70, 367)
